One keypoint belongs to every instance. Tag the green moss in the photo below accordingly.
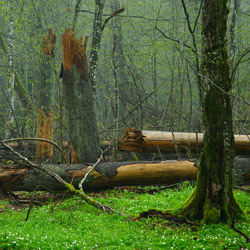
(70, 187)
(211, 214)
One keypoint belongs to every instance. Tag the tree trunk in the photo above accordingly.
(11, 74)
(79, 102)
(212, 200)
(166, 142)
(108, 175)
(20, 90)
(96, 41)
(45, 107)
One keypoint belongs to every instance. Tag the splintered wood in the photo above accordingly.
(48, 44)
(75, 53)
(44, 150)
(161, 141)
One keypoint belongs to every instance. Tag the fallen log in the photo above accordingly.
(172, 142)
(108, 175)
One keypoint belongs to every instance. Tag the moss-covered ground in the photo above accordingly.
(74, 224)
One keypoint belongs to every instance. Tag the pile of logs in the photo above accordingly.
(108, 175)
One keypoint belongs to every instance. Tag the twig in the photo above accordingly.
(238, 62)
(38, 139)
(130, 16)
(92, 168)
(197, 18)
(69, 186)
(112, 15)
(28, 213)
(172, 39)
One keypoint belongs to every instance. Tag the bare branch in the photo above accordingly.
(238, 62)
(112, 15)
(92, 168)
(38, 139)
(130, 16)
(69, 186)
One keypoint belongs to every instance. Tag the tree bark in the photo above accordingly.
(212, 200)
(79, 102)
(11, 74)
(154, 141)
(45, 111)
(96, 41)
(108, 175)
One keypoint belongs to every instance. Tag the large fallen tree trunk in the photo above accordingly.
(108, 175)
(172, 142)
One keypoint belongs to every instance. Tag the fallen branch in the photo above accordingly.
(92, 168)
(39, 139)
(69, 186)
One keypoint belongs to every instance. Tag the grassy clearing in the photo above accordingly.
(76, 225)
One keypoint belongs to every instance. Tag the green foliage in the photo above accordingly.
(77, 225)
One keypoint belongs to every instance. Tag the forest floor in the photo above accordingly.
(62, 221)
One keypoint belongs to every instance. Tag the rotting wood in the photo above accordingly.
(44, 150)
(58, 178)
(155, 141)
(74, 53)
(108, 175)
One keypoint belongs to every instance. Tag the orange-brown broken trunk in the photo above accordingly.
(44, 150)
(75, 53)
(176, 142)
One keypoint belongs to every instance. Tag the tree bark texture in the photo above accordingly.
(108, 175)
(212, 200)
(79, 102)
(96, 41)
(45, 112)
(166, 142)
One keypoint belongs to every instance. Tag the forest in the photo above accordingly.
(105, 103)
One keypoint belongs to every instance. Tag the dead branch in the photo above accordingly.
(92, 168)
(112, 15)
(39, 139)
(69, 186)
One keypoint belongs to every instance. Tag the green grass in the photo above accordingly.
(76, 225)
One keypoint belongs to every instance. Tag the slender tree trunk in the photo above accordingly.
(96, 41)
(11, 73)
(212, 200)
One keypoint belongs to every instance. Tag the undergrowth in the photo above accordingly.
(76, 225)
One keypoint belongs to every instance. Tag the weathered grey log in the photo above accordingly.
(108, 175)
